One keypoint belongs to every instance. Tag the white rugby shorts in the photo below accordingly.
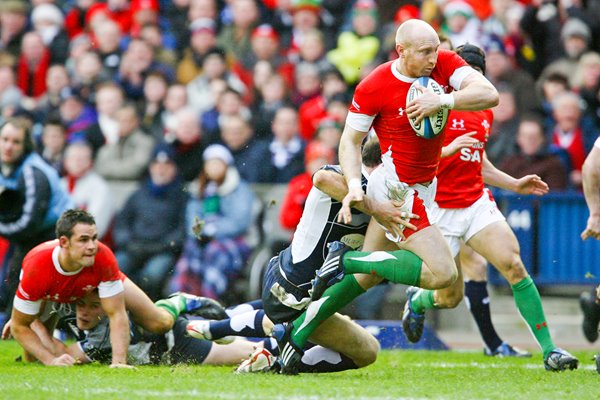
(384, 185)
(459, 224)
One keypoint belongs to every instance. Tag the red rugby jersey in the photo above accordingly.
(42, 277)
(382, 95)
(460, 182)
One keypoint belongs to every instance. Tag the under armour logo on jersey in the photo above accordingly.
(400, 111)
(355, 104)
(458, 124)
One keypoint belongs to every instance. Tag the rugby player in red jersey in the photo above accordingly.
(408, 174)
(66, 269)
(465, 211)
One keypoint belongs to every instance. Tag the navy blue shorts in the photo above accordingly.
(275, 309)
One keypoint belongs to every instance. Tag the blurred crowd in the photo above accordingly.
(194, 101)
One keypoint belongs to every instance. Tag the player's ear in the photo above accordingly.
(400, 50)
(63, 241)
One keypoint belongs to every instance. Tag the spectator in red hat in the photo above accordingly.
(265, 47)
(118, 11)
(316, 156)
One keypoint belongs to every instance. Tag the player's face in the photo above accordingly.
(12, 144)
(89, 311)
(82, 247)
(420, 58)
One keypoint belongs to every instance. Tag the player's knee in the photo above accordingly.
(161, 323)
(513, 269)
(446, 277)
(369, 351)
(450, 299)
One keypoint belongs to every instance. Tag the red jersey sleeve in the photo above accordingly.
(35, 272)
(448, 62)
(107, 263)
(367, 96)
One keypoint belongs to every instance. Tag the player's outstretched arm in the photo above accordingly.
(31, 343)
(529, 184)
(351, 161)
(591, 191)
(114, 307)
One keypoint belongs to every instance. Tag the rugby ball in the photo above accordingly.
(433, 125)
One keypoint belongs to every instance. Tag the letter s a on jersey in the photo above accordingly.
(467, 154)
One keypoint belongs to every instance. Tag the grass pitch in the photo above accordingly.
(396, 375)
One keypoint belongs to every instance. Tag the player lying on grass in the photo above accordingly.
(64, 270)
(341, 343)
(89, 326)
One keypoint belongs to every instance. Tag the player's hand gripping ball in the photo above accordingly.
(433, 125)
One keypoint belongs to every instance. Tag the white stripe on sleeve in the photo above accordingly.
(459, 75)
(109, 289)
(27, 306)
(359, 122)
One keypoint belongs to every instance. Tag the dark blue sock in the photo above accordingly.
(248, 325)
(271, 345)
(479, 303)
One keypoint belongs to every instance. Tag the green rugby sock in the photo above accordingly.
(529, 304)
(333, 299)
(173, 305)
(423, 300)
(400, 266)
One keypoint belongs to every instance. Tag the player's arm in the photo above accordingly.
(351, 161)
(23, 333)
(114, 307)
(476, 93)
(591, 191)
(388, 214)
(529, 184)
(53, 345)
(461, 142)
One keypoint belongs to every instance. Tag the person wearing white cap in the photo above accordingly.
(218, 215)
(48, 21)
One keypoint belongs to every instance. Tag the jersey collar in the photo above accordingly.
(61, 271)
(398, 75)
